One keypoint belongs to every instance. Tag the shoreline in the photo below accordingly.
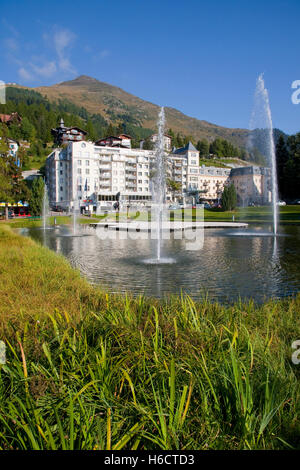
(174, 374)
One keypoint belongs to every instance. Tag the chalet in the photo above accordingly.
(126, 140)
(123, 141)
(8, 119)
(167, 141)
(63, 135)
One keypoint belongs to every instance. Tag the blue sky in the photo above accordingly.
(202, 58)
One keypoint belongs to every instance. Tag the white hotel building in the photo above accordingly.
(94, 174)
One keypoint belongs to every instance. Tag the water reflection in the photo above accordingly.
(228, 266)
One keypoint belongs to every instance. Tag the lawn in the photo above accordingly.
(89, 370)
(254, 215)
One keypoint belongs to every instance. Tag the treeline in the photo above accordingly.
(220, 148)
(12, 186)
(288, 166)
(39, 116)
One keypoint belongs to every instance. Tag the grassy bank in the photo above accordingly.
(90, 370)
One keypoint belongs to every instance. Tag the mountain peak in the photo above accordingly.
(79, 81)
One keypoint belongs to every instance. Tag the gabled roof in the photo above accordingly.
(109, 138)
(10, 117)
(185, 149)
(125, 136)
(64, 129)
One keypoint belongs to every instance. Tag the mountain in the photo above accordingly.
(115, 104)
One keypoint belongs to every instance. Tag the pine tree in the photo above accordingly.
(203, 147)
(229, 198)
(282, 157)
(36, 196)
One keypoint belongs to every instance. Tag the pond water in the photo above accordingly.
(233, 262)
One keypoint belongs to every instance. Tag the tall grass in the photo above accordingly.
(90, 370)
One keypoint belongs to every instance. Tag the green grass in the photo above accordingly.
(289, 215)
(89, 370)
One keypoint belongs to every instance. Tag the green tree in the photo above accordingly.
(36, 196)
(217, 147)
(5, 181)
(148, 144)
(203, 147)
(282, 158)
(173, 186)
(91, 135)
(27, 130)
(229, 198)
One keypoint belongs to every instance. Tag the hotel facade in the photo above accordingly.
(94, 174)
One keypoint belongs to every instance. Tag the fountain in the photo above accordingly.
(45, 208)
(75, 208)
(262, 118)
(159, 185)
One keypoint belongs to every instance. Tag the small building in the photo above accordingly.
(121, 141)
(8, 119)
(13, 147)
(110, 141)
(63, 135)
(126, 140)
(167, 141)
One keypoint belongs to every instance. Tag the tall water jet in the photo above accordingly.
(45, 208)
(75, 214)
(159, 182)
(261, 123)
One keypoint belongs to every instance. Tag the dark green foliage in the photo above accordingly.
(148, 144)
(288, 166)
(12, 185)
(203, 147)
(229, 198)
(36, 196)
(223, 148)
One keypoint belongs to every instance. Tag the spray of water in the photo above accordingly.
(75, 213)
(45, 211)
(159, 182)
(261, 118)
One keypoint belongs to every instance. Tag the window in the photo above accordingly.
(61, 188)
(79, 171)
(87, 171)
(140, 181)
(79, 162)
(87, 162)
